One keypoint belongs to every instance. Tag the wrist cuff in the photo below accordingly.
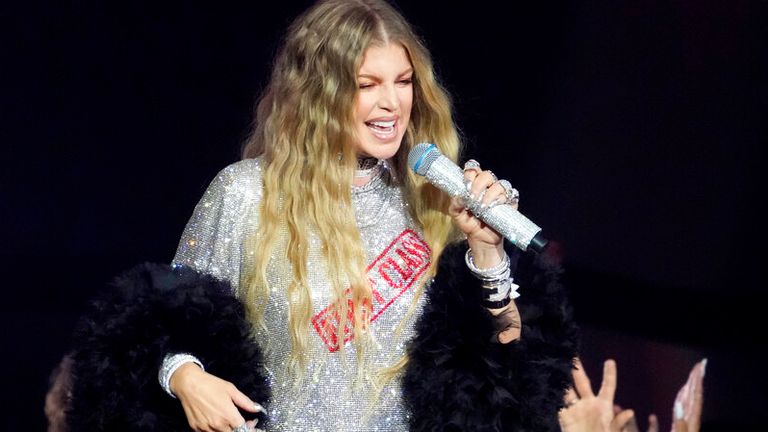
(171, 363)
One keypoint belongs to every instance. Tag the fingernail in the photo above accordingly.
(258, 407)
(703, 367)
(679, 412)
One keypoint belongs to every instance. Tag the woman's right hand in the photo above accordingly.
(210, 403)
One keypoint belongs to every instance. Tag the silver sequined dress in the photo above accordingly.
(213, 242)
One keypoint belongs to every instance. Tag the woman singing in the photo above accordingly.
(377, 302)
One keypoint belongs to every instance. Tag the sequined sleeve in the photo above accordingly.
(224, 218)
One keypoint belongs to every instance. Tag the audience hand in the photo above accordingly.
(689, 400)
(586, 412)
(631, 425)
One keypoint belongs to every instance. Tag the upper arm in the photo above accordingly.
(213, 239)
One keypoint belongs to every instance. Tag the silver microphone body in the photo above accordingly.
(426, 160)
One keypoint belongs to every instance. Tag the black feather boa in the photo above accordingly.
(459, 379)
(120, 343)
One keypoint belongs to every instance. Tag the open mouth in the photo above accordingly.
(383, 129)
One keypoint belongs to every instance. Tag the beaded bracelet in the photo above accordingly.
(499, 271)
(498, 288)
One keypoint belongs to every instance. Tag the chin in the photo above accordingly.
(380, 150)
(383, 154)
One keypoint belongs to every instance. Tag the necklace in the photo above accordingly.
(366, 167)
(372, 199)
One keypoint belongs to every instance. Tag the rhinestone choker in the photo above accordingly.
(367, 167)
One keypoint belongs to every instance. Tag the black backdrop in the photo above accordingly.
(633, 129)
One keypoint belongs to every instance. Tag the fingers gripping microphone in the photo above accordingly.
(426, 160)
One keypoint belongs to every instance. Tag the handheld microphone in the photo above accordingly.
(426, 160)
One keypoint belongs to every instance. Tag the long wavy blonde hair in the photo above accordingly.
(305, 134)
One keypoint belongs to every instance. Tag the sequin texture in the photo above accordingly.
(329, 399)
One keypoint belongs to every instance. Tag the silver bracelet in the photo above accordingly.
(493, 283)
(502, 291)
(171, 363)
(498, 292)
(498, 272)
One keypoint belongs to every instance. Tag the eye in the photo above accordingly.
(364, 85)
(406, 81)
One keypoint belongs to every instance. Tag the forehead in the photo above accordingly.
(387, 58)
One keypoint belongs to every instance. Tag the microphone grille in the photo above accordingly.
(421, 156)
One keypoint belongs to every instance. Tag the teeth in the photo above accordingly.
(381, 124)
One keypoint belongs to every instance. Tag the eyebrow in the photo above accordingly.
(374, 77)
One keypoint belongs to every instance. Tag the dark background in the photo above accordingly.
(635, 131)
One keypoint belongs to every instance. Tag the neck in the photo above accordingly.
(367, 168)
(366, 162)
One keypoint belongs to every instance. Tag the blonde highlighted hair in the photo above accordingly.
(305, 134)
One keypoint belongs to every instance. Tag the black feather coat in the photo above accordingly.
(458, 378)
(120, 344)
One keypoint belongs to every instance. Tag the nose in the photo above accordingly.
(388, 99)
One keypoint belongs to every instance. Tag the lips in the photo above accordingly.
(383, 129)
(382, 124)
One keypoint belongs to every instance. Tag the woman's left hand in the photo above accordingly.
(485, 242)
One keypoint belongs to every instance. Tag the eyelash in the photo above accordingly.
(406, 81)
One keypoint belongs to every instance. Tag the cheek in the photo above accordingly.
(406, 101)
(362, 107)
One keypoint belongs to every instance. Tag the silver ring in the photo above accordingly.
(512, 194)
(471, 164)
(242, 428)
(494, 203)
(482, 209)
